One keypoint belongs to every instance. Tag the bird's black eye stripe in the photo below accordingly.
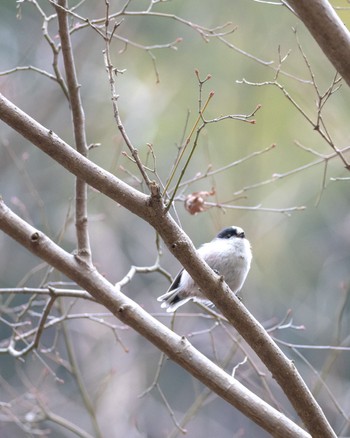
(227, 233)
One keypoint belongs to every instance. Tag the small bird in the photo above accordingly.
(228, 254)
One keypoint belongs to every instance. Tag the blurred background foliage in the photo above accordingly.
(301, 259)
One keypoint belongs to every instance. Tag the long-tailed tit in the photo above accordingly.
(228, 254)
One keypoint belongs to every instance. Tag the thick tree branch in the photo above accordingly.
(176, 347)
(328, 30)
(152, 210)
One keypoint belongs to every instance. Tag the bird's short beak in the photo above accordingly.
(242, 235)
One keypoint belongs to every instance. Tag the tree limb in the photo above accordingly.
(178, 348)
(152, 210)
(78, 116)
(328, 30)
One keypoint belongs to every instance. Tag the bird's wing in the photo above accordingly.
(170, 295)
(175, 284)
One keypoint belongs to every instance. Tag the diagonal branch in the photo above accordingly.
(152, 210)
(176, 347)
(328, 30)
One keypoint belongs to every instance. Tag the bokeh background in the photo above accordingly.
(299, 279)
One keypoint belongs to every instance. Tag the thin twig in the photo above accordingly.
(29, 68)
(183, 149)
(315, 124)
(111, 71)
(70, 293)
(55, 49)
(76, 371)
(171, 412)
(61, 421)
(278, 176)
(209, 172)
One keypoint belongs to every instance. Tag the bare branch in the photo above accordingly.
(70, 293)
(61, 421)
(83, 240)
(328, 30)
(151, 209)
(317, 125)
(29, 68)
(112, 72)
(210, 172)
(55, 49)
(76, 371)
(177, 348)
